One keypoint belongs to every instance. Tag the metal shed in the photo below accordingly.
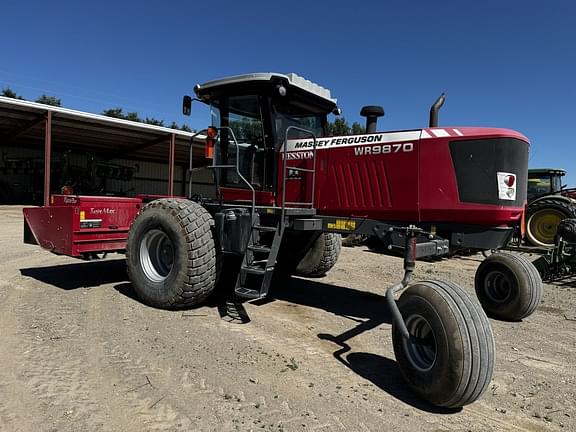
(49, 130)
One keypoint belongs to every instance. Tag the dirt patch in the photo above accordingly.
(80, 352)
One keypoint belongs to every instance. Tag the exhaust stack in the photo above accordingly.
(434, 110)
(371, 112)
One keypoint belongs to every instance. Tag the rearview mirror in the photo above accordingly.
(186, 105)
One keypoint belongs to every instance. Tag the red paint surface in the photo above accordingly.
(57, 227)
(417, 186)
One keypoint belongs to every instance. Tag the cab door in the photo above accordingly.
(243, 148)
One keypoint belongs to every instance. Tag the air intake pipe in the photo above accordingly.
(371, 112)
(434, 110)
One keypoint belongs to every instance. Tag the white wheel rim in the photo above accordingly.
(156, 255)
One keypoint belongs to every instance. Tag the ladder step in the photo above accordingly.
(257, 270)
(247, 293)
(221, 166)
(258, 248)
(265, 228)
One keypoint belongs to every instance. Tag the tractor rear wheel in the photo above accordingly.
(567, 230)
(171, 254)
(321, 256)
(544, 216)
(449, 358)
(508, 286)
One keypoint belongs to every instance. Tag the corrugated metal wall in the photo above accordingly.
(21, 176)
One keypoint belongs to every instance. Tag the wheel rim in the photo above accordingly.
(543, 224)
(420, 349)
(156, 255)
(498, 286)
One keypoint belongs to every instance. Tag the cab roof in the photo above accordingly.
(544, 171)
(293, 83)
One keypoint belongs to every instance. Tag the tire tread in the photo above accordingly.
(477, 337)
(195, 223)
(328, 258)
(533, 290)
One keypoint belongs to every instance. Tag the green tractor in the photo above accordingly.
(549, 202)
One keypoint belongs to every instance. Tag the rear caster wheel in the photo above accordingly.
(508, 286)
(449, 358)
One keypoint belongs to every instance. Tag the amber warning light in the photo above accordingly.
(67, 190)
(211, 136)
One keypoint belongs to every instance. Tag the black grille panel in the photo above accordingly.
(477, 162)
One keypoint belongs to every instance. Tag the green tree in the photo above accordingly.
(114, 112)
(49, 100)
(338, 128)
(358, 129)
(186, 128)
(153, 121)
(9, 93)
(133, 116)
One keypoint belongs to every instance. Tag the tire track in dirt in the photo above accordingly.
(141, 389)
(63, 370)
(7, 417)
(230, 406)
(16, 402)
(52, 370)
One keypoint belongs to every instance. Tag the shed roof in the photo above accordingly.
(22, 123)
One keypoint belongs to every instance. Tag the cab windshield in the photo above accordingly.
(292, 114)
(543, 184)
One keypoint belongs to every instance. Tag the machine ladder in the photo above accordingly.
(259, 259)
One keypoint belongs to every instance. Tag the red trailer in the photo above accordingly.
(285, 192)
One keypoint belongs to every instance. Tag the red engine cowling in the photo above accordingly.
(453, 175)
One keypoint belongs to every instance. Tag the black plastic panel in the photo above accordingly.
(477, 162)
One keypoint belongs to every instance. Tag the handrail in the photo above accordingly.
(284, 167)
(237, 166)
(190, 161)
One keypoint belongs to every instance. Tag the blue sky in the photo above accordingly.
(502, 63)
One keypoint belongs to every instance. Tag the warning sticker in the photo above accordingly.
(342, 225)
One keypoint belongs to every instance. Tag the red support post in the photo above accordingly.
(171, 165)
(47, 157)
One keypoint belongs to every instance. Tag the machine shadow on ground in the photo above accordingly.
(79, 275)
(342, 301)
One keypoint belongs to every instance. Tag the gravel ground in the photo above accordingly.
(80, 353)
